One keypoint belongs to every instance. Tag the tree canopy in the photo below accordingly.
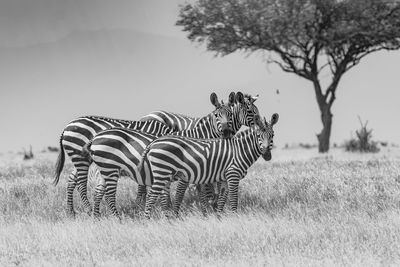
(305, 37)
(297, 30)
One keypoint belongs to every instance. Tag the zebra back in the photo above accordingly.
(81, 130)
(178, 121)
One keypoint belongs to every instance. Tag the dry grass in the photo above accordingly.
(340, 209)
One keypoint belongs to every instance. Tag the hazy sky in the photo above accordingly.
(61, 59)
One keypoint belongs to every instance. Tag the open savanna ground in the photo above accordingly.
(299, 209)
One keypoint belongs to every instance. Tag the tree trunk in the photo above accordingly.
(324, 136)
(325, 104)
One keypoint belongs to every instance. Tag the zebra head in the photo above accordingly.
(266, 135)
(223, 115)
(245, 110)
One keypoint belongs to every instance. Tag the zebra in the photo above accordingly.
(202, 161)
(119, 149)
(244, 112)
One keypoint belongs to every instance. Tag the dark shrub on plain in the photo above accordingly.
(363, 141)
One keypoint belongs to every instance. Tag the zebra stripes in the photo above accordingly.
(120, 149)
(202, 161)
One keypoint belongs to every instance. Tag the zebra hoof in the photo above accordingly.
(169, 215)
(118, 216)
(205, 215)
(71, 213)
(177, 215)
(96, 216)
(89, 213)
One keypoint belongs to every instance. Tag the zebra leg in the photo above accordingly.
(71, 184)
(82, 176)
(98, 196)
(215, 195)
(165, 197)
(233, 188)
(141, 195)
(222, 196)
(203, 199)
(209, 192)
(180, 193)
(158, 185)
(110, 193)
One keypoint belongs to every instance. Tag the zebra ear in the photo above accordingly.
(239, 98)
(214, 100)
(274, 118)
(258, 121)
(253, 99)
(231, 98)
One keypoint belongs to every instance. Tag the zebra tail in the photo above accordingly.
(59, 163)
(144, 156)
(86, 152)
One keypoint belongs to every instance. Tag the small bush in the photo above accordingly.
(52, 149)
(307, 146)
(363, 142)
(28, 155)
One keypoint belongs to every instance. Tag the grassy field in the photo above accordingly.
(300, 209)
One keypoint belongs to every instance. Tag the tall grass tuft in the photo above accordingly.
(363, 141)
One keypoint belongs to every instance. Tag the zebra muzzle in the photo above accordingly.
(226, 131)
(267, 156)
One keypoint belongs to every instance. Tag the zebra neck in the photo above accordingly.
(204, 128)
(236, 121)
(247, 146)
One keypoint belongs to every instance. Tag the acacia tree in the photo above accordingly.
(309, 38)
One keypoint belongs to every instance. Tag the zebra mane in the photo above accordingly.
(248, 97)
(183, 115)
(244, 132)
(109, 119)
(198, 119)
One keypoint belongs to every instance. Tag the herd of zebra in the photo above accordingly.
(163, 147)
